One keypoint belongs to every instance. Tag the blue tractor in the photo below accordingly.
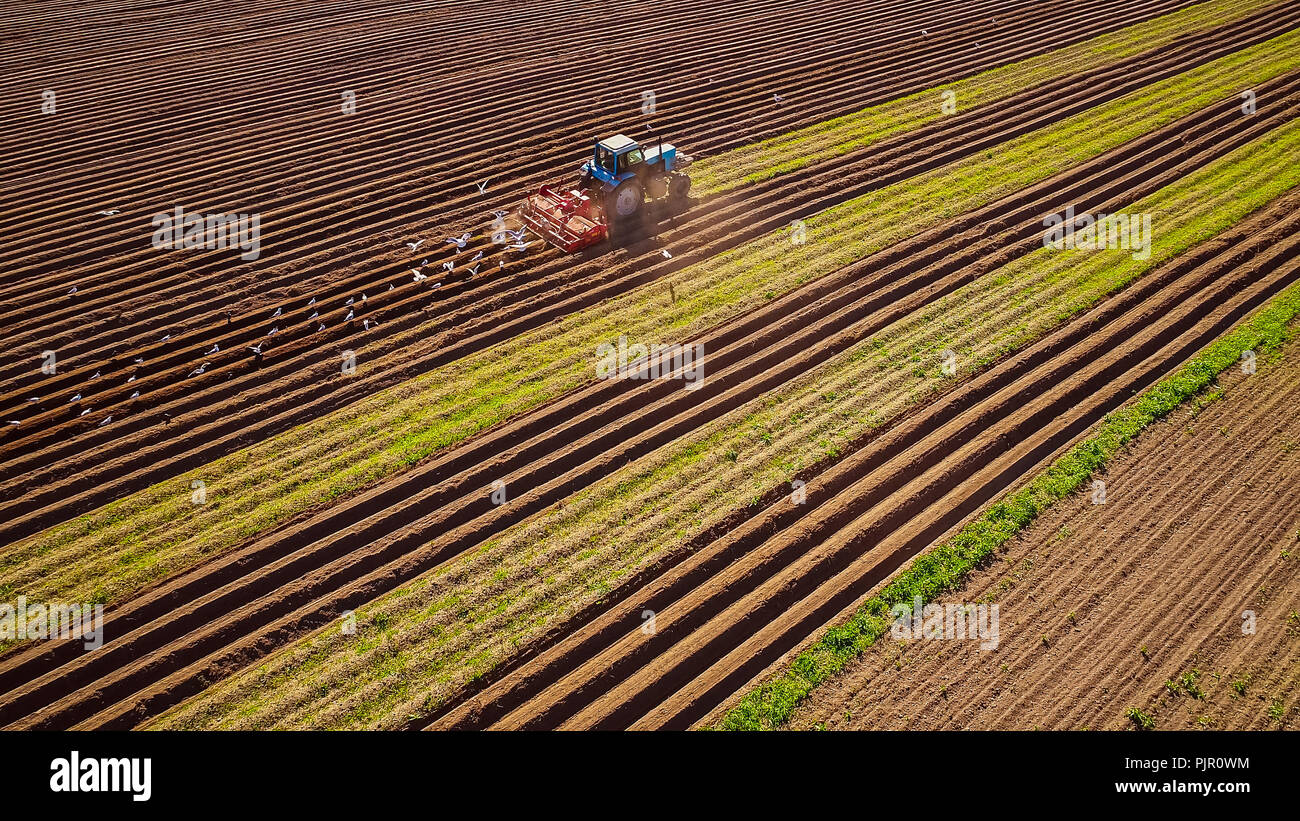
(625, 174)
(612, 188)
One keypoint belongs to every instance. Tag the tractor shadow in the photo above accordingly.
(642, 235)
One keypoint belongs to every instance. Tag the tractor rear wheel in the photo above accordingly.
(627, 199)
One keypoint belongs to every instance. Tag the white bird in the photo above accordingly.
(414, 245)
(448, 265)
(349, 316)
(33, 399)
(13, 422)
(459, 243)
(666, 254)
(349, 302)
(215, 349)
(321, 328)
(436, 285)
(925, 33)
(520, 246)
(108, 212)
(500, 214)
(106, 420)
(166, 337)
(274, 330)
(73, 291)
(776, 98)
(419, 277)
(199, 370)
(518, 235)
(391, 286)
(482, 186)
(96, 376)
(501, 264)
(314, 314)
(76, 398)
(132, 379)
(474, 270)
(83, 413)
(278, 311)
(476, 257)
(366, 322)
(256, 348)
(135, 395)
(139, 360)
(313, 302)
(363, 299)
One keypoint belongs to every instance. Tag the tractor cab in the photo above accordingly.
(615, 159)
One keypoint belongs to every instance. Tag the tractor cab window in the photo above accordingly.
(605, 158)
(630, 159)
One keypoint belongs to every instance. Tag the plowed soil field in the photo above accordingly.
(370, 135)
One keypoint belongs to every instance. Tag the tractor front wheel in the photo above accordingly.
(627, 199)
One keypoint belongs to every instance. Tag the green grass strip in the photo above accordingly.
(944, 569)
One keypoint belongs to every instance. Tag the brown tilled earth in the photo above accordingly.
(1101, 605)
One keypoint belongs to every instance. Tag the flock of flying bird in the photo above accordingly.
(513, 240)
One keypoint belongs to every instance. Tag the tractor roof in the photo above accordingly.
(618, 142)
